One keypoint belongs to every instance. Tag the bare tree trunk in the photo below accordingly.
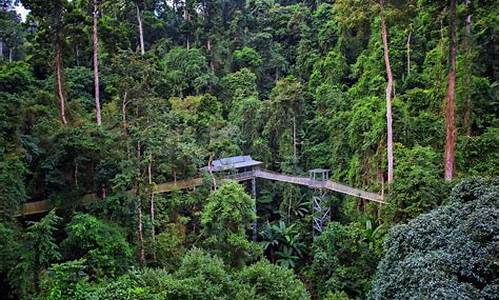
(468, 71)
(388, 97)
(451, 131)
(139, 233)
(408, 58)
(152, 206)
(1, 49)
(77, 55)
(141, 34)
(58, 79)
(209, 50)
(294, 141)
(125, 123)
(76, 174)
(11, 51)
(214, 181)
(186, 18)
(254, 222)
(96, 65)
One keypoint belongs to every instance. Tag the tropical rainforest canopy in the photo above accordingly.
(103, 101)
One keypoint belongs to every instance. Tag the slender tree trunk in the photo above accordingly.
(408, 52)
(388, 96)
(125, 123)
(141, 34)
(468, 71)
(152, 206)
(214, 182)
(96, 65)
(451, 131)
(254, 222)
(11, 54)
(58, 79)
(209, 50)
(139, 233)
(186, 18)
(1, 50)
(77, 55)
(76, 173)
(294, 141)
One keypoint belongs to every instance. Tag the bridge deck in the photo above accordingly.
(37, 207)
(327, 184)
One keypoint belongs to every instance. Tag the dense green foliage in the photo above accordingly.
(228, 212)
(296, 84)
(452, 251)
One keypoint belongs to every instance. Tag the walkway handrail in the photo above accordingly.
(327, 184)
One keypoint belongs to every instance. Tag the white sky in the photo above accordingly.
(21, 11)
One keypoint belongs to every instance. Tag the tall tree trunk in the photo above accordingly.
(1, 49)
(209, 50)
(75, 174)
(468, 71)
(408, 52)
(451, 131)
(11, 54)
(294, 141)
(58, 78)
(186, 18)
(141, 34)
(152, 206)
(388, 96)
(140, 239)
(77, 55)
(254, 222)
(125, 123)
(214, 181)
(96, 65)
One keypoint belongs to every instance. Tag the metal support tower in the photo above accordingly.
(320, 207)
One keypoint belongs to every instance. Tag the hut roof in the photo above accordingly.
(234, 162)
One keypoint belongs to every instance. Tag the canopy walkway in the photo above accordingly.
(319, 184)
(37, 207)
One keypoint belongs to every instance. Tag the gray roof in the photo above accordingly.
(234, 162)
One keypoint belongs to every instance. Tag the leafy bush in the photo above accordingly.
(103, 245)
(202, 276)
(38, 252)
(246, 58)
(226, 216)
(344, 260)
(418, 186)
(264, 280)
(170, 247)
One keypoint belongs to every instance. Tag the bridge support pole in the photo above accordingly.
(254, 196)
(321, 209)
